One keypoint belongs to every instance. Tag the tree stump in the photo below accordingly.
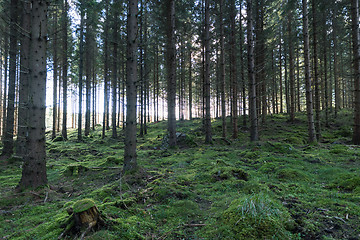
(84, 216)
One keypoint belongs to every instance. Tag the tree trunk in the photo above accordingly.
(280, 75)
(190, 87)
(88, 68)
(6, 53)
(130, 163)
(106, 70)
(114, 80)
(55, 75)
(208, 136)
(65, 69)
(24, 81)
(316, 75)
(233, 71)
(222, 70)
(309, 102)
(34, 168)
(242, 71)
(336, 80)
(171, 70)
(81, 67)
(254, 135)
(356, 53)
(8, 141)
(291, 69)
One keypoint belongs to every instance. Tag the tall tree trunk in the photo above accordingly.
(325, 62)
(309, 102)
(280, 75)
(335, 49)
(106, 70)
(24, 80)
(316, 71)
(81, 68)
(88, 68)
(65, 69)
(254, 135)
(8, 140)
(233, 71)
(208, 136)
(55, 76)
(130, 163)
(356, 53)
(34, 167)
(190, 87)
(291, 69)
(222, 70)
(146, 75)
(114, 80)
(242, 70)
(298, 80)
(171, 69)
(6, 63)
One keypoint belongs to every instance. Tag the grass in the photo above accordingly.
(277, 188)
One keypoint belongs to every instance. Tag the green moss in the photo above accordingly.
(297, 140)
(103, 234)
(350, 184)
(75, 170)
(83, 205)
(255, 217)
(291, 174)
(224, 173)
(113, 160)
(339, 149)
(270, 167)
(279, 147)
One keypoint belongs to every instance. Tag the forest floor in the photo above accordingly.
(277, 188)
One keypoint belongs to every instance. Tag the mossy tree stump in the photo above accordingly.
(84, 216)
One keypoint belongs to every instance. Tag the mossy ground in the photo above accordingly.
(197, 191)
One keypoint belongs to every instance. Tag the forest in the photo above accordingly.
(187, 119)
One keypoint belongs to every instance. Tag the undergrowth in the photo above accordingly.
(277, 188)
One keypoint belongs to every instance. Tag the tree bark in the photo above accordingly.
(291, 69)
(208, 136)
(55, 76)
(254, 135)
(88, 70)
(222, 70)
(114, 80)
(335, 49)
(356, 53)
(130, 163)
(65, 69)
(171, 70)
(8, 141)
(106, 70)
(316, 71)
(24, 80)
(34, 168)
(309, 102)
(233, 70)
(81, 68)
